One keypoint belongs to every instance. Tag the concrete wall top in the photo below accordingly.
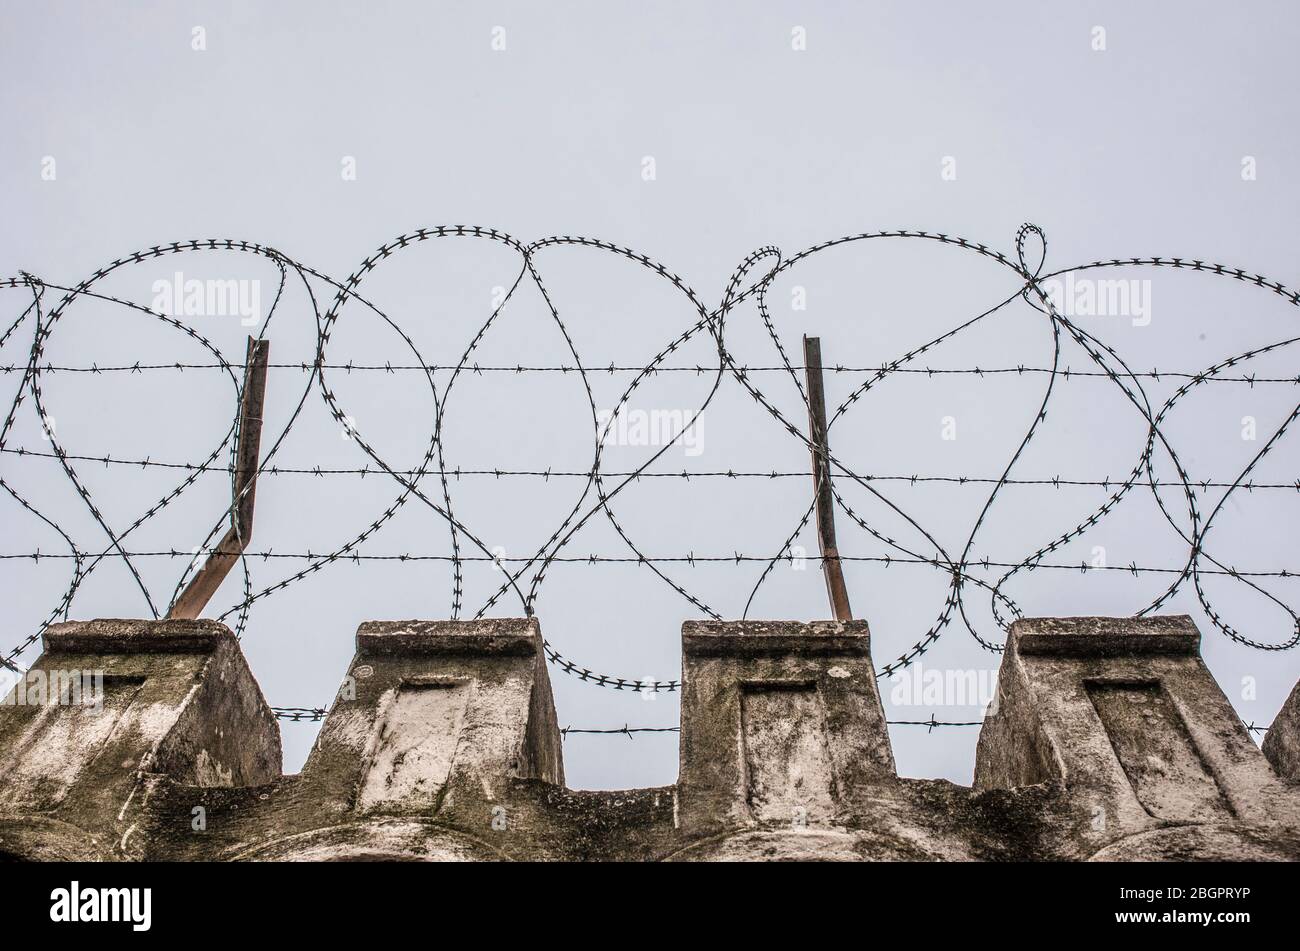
(1109, 739)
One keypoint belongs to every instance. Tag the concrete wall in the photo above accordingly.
(1109, 740)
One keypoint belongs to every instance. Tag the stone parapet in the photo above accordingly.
(1109, 739)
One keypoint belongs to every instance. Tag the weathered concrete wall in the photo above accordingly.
(1152, 757)
(1282, 742)
(175, 704)
(781, 723)
(1110, 740)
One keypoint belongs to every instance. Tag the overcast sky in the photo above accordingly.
(693, 133)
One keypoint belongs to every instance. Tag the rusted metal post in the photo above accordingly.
(831, 567)
(247, 452)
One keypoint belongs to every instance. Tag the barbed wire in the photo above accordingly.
(316, 714)
(687, 559)
(1056, 481)
(930, 724)
(1065, 373)
(522, 577)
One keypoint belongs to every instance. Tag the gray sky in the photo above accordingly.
(1134, 150)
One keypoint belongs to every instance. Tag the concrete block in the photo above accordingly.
(113, 706)
(1282, 742)
(1123, 714)
(781, 723)
(440, 715)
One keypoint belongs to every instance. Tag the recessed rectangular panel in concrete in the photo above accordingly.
(787, 762)
(64, 735)
(1153, 746)
(416, 746)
